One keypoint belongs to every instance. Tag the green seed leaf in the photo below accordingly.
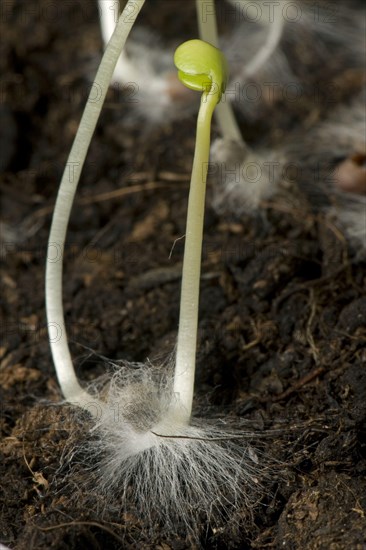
(201, 67)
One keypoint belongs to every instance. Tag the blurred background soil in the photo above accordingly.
(282, 314)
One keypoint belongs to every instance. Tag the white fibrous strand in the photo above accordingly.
(169, 471)
(243, 178)
(331, 168)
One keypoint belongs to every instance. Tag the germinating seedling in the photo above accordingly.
(146, 438)
(237, 187)
(201, 67)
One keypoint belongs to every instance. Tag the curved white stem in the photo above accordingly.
(267, 49)
(269, 17)
(255, 10)
(69, 384)
(207, 26)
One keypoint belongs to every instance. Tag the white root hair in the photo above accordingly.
(171, 473)
(243, 178)
(320, 153)
(146, 61)
(261, 69)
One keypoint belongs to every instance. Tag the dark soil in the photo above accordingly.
(282, 314)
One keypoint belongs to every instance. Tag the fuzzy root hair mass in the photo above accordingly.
(146, 458)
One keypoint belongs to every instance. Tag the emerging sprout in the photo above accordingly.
(145, 438)
(201, 67)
